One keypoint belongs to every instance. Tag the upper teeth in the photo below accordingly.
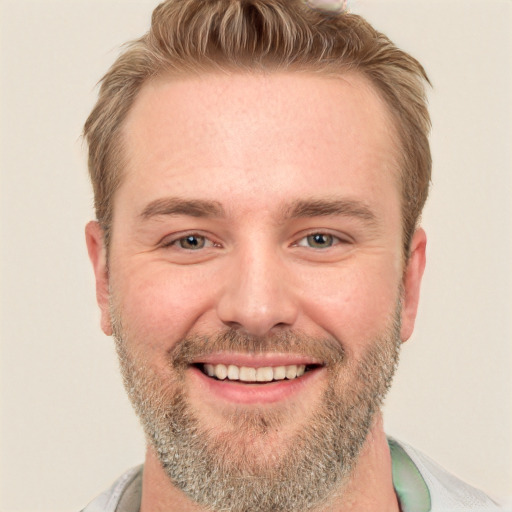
(248, 374)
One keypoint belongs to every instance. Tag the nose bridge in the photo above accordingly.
(257, 295)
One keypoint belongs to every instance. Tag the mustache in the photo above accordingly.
(328, 350)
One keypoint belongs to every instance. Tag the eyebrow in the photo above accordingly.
(297, 209)
(326, 207)
(178, 206)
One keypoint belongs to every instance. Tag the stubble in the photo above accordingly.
(234, 470)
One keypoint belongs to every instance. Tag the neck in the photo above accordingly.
(369, 489)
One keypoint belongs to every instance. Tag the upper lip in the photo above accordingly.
(257, 360)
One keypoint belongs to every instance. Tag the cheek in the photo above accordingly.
(355, 305)
(159, 306)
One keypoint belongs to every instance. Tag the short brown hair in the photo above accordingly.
(194, 36)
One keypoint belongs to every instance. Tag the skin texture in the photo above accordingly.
(251, 165)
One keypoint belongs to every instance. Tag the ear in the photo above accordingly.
(412, 282)
(98, 257)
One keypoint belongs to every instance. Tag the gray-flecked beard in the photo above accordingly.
(235, 470)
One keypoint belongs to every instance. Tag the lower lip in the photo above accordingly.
(265, 393)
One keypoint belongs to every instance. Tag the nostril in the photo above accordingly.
(232, 324)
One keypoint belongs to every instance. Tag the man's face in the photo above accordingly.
(257, 236)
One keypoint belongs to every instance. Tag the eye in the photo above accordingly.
(318, 241)
(189, 242)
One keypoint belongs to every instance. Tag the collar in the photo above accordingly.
(410, 487)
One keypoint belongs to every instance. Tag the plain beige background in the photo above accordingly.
(67, 429)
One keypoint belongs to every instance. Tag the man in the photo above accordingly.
(259, 169)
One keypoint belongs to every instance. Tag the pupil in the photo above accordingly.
(320, 240)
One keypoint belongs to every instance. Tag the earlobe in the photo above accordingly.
(98, 257)
(412, 282)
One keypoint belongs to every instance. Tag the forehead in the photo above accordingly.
(222, 133)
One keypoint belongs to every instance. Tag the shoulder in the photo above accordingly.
(447, 492)
(109, 501)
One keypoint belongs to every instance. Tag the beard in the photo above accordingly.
(251, 464)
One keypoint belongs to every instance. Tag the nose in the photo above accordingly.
(257, 293)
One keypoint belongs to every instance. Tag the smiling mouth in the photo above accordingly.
(251, 375)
